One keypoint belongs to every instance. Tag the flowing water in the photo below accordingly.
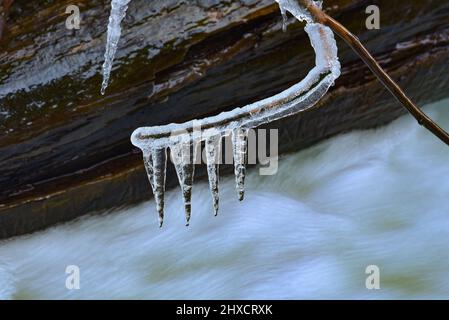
(377, 197)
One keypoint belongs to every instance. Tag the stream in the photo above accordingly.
(375, 197)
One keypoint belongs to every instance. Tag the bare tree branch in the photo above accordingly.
(377, 70)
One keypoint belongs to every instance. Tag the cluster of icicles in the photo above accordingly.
(183, 149)
(181, 140)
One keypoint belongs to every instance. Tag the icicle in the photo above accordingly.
(239, 148)
(284, 18)
(148, 163)
(213, 147)
(118, 12)
(182, 156)
(155, 162)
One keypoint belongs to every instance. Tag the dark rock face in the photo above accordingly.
(65, 150)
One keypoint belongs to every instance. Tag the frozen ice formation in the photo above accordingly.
(296, 10)
(182, 155)
(213, 152)
(182, 140)
(118, 12)
(239, 148)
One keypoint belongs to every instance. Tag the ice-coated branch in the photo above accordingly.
(182, 139)
(321, 17)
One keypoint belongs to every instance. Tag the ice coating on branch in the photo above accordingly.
(118, 12)
(180, 138)
(296, 10)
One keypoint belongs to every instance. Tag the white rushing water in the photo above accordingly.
(377, 197)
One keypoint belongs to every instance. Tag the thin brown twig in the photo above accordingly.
(377, 70)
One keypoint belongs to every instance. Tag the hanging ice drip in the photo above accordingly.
(118, 12)
(181, 139)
